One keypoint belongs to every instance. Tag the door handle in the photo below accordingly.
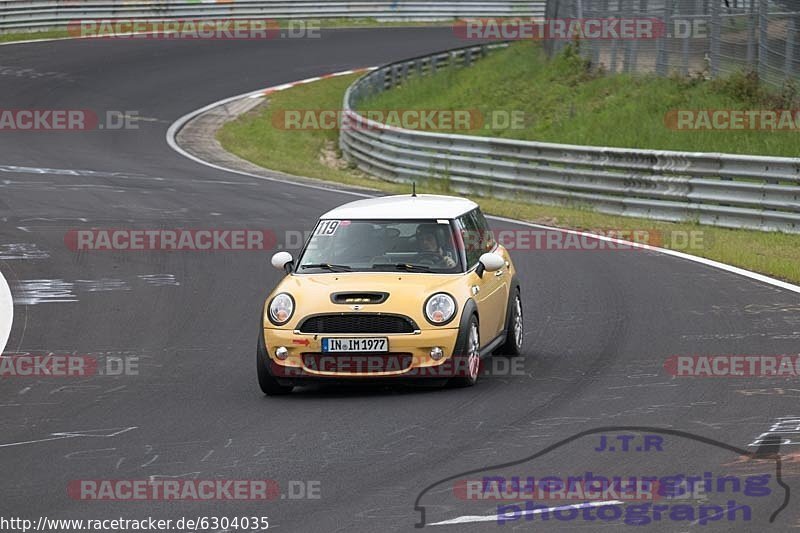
(499, 273)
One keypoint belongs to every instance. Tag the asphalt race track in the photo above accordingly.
(600, 326)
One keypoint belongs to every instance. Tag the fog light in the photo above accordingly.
(281, 352)
(436, 353)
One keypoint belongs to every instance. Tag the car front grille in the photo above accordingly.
(358, 323)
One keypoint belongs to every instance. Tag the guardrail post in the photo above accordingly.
(373, 84)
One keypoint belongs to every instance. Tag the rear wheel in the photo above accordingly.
(269, 385)
(468, 362)
(516, 331)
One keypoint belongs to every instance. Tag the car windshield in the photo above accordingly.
(381, 245)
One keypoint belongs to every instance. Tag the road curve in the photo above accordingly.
(600, 324)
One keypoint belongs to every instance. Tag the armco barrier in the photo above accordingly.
(736, 191)
(22, 15)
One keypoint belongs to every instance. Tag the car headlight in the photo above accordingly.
(440, 309)
(281, 308)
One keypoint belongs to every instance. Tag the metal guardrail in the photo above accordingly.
(736, 191)
(23, 15)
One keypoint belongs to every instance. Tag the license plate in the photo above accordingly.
(355, 344)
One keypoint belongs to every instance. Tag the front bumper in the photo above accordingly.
(408, 355)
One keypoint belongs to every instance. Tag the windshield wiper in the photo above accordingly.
(403, 266)
(328, 266)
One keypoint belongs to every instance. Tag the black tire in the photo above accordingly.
(269, 385)
(512, 346)
(468, 360)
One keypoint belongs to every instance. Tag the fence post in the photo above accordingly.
(788, 69)
(615, 43)
(594, 44)
(751, 35)
(716, 31)
(661, 52)
(763, 20)
(629, 51)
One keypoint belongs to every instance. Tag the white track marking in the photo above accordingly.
(6, 312)
(176, 126)
(702, 260)
(491, 518)
(102, 433)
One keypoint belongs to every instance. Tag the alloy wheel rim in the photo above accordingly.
(518, 323)
(474, 359)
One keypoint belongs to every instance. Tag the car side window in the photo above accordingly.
(470, 234)
(487, 237)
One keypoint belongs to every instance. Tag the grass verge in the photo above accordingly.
(314, 153)
(33, 35)
(567, 100)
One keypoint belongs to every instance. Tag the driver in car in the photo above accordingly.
(428, 245)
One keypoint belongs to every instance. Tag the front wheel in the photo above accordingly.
(269, 385)
(514, 336)
(468, 357)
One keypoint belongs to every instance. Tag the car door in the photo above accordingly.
(488, 291)
(502, 281)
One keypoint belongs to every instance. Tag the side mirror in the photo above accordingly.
(489, 262)
(283, 261)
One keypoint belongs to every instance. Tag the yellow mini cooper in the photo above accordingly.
(396, 287)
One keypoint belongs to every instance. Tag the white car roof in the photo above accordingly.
(403, 207)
